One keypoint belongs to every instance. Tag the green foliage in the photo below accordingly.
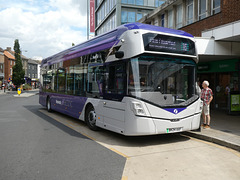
(27, 87)
(18, 71)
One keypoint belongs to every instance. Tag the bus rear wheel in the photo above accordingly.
(90, 118)
(49, 105)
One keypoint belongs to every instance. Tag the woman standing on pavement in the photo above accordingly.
(207, 97)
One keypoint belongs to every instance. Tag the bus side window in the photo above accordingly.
(61, 80)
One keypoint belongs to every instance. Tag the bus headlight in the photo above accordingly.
(137, 108)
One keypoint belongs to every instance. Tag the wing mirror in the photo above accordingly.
(119, 54)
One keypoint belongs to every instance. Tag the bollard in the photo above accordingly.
(19, 91)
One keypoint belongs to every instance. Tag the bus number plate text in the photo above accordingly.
(172, 130)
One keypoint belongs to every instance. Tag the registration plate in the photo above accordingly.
(172, 130)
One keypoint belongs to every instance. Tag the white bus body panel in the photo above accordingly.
(159, 121)
(120, 118)
(132, 45)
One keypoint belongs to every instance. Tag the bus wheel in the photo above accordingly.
(90, 118)
(49, 105)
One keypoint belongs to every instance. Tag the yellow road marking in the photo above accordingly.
(120, 153)
(124, 178)
(89, 137)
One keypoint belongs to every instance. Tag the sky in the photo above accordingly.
(43, 27)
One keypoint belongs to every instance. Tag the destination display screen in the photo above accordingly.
(170, 44)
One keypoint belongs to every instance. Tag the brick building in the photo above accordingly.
(1, 67)
(9, 62)
(216, 27)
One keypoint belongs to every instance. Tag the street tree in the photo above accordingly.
(18, 71)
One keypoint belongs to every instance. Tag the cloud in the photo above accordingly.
(43, 27)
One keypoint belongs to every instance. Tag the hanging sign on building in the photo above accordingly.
(92, 16)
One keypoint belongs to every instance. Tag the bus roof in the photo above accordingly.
(105, 41)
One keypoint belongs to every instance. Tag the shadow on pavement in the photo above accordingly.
(103, 135)
(35, 110)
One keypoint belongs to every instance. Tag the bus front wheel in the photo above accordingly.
(90, 118)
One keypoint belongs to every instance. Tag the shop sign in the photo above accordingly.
(219, 66)
(203, 67)
(235, 102)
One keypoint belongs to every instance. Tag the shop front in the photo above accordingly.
(224, 79)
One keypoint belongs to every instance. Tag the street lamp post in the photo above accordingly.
(87, 19)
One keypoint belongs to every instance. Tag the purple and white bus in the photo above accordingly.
(137, 79)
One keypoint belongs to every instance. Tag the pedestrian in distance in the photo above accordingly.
(207, 97)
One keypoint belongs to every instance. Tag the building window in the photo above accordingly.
(139, 2)
(131, 1)
(179, 16)
(162, 20)
(170, 19)
(153, 3)
(202, 6)
(11, 72)
(155, 22)
(139, 16)
(131, 17)
(98, 2)
(104, 10)
(107, 25)
(216, 4)
(1, 68)
(189, 11)
(159, 3)
(10, 62)
(124, 17)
